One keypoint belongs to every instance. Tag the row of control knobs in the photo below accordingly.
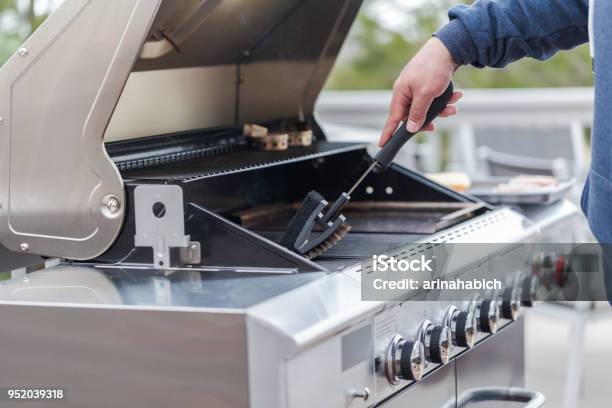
(407, 360)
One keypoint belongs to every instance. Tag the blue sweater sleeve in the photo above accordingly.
(494, 33)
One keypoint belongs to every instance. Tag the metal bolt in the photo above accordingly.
(24, 247)
(0, 205)
(363, 394)
(1, 120)
(113, 205)
(24, 52)
(110, 206)
(159, 210)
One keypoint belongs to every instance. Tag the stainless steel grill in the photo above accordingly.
(162, 292)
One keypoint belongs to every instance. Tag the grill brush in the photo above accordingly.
(301, 236)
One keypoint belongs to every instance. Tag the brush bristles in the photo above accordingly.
(336, 237)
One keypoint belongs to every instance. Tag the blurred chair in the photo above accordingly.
(507, 151)
(499, 164)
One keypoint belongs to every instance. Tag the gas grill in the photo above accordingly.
(125, 160)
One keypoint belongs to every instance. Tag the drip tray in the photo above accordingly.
(372, 216)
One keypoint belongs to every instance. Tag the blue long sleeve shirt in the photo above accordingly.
(494, 33)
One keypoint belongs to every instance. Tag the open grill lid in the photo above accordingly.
(135, 68)
(215, 63)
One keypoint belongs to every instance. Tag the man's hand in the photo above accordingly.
(425, 77)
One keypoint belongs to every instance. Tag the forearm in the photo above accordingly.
(496, 32)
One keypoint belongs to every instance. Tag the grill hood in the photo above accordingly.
(216, 63)
(105, 70)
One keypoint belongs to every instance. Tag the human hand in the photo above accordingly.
(423, 79)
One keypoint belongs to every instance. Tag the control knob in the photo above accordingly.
(552, 269)
(462, 325)
(487, 315)
(437, 342)
(511, 303)
(405, 360)
(529, 288)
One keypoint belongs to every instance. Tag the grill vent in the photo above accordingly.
(410, 251)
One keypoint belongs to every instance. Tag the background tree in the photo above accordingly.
(385, 35)
(388, 32)
(19, 19)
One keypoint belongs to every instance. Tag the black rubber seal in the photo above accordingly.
(405, 363)
(506, 306)
(434, 345)
(460, 332)
(526, 292)
(484, 316)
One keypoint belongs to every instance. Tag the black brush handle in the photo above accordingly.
(336, 208)
(385, 156)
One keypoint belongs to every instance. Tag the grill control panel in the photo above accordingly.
(414, 338)
(384, 354)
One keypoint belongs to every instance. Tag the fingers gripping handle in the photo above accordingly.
(386, 155)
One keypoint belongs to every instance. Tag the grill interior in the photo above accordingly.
(260, 191)
(376, 227)
(355, 247)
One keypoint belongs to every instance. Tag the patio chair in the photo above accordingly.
(507, 150)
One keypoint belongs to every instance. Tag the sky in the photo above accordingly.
(392, 14)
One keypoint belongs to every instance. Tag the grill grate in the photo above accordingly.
(239, 159)
(358, 246)
(174, 157)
